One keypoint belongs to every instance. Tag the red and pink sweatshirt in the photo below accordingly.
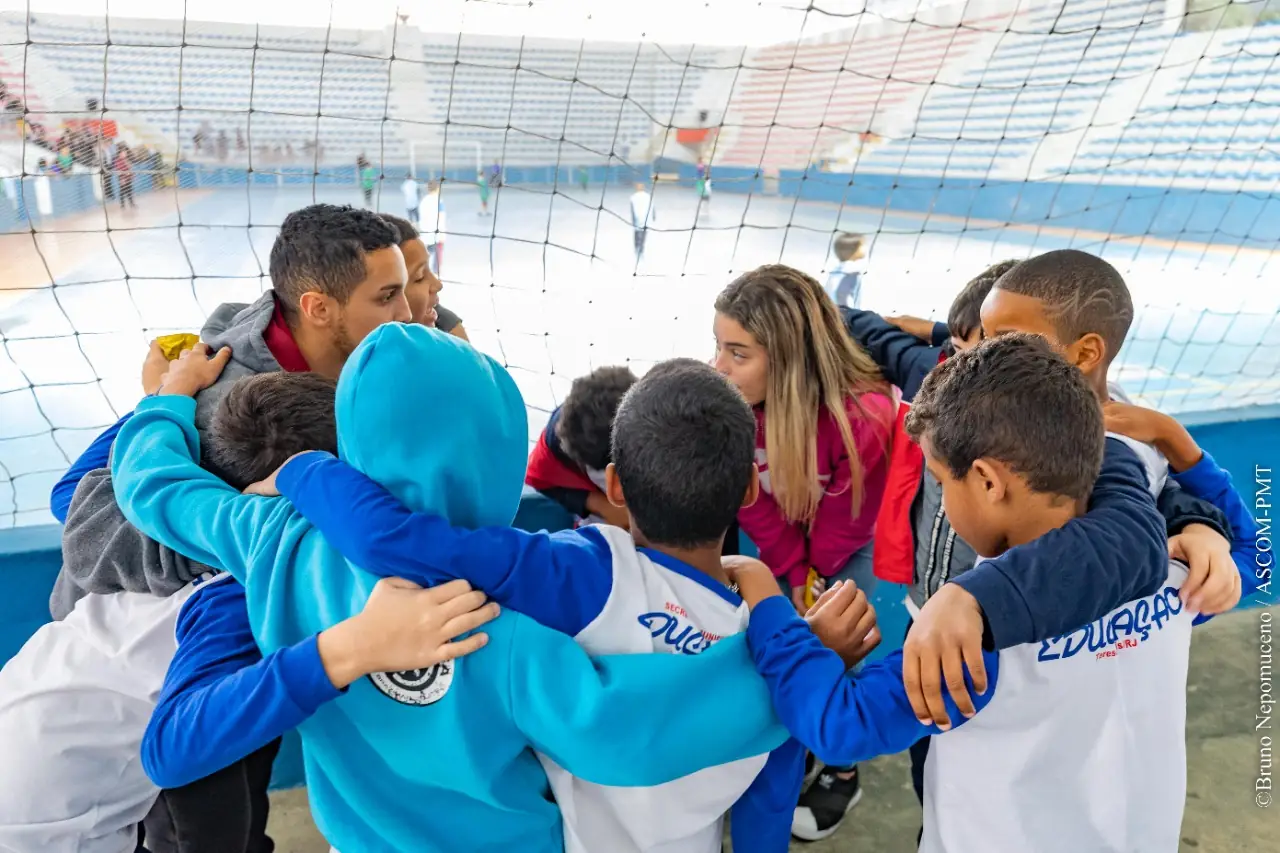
(836, 533)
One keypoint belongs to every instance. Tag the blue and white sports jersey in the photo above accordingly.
(1082, 747)
(657, 604)
(74, 705)
(595, 584)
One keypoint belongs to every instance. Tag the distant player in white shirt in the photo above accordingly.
(844, 284)
(431, 223)
(410, 191)
(642, 213)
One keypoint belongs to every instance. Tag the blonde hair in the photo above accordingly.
(813, 364)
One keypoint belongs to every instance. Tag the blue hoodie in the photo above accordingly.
(443, 759)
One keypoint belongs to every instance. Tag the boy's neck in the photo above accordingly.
(318, 350)
(705, 558)
(1041, 514)
(1098, 382)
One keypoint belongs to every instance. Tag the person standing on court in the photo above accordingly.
(642, 213)
(410, 191)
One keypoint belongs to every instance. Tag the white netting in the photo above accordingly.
(952, 133)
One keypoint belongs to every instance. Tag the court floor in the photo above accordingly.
(550, 285)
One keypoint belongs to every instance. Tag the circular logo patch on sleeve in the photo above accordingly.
(416, 686)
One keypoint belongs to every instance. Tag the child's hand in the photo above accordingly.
(194, 371)
(405, 627)
(267, 488)
(1213, 582)
(1151, 427)
(154, 367)
(946, 635)
(922, 329)
(844, 620)
(754, 579)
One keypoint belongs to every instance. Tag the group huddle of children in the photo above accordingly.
(306, 524)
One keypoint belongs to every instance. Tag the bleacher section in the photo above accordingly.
(797, 102)
(531, 102)
(1008, 90)
(1045, 79)
(1219, 124)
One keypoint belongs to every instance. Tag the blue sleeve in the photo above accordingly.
(904, 359)
(941, 334)
(761, 821)
(221, 699)
(161, 489)
(1116, 552)
(637, 720)
(842, 719)
(96, 455)
(562, 579)
(1208, 481)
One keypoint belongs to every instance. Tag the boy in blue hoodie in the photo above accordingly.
(457, 737)
(683, 450)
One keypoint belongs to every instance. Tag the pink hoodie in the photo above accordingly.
(789, 549)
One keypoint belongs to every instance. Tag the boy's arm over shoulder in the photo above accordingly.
(904, 358)
(1114, 553)
(561, 579)
(103, 553)
(637, 720)
(163, 490)
(842, 720)
(221, 699)
(762, 816)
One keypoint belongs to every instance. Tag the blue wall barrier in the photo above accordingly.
(203, 176)
(30, 557)
(1247, 219)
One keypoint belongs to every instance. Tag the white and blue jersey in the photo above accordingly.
(1079, 740)
(613, 598)
(74, 704)
(1082, 745)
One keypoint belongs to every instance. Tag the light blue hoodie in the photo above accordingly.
(440, 760)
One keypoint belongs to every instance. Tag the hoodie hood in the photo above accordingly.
(241, 327)
(440, 425)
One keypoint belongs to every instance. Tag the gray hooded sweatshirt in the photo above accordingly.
(101, 551)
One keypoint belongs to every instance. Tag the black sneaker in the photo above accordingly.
(823, 806)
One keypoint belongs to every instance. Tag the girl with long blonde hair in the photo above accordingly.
(824, 415)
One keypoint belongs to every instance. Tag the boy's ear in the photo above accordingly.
(613, 486)
(992, 479)
(1089, 353)
(316, 308)
(753, 487)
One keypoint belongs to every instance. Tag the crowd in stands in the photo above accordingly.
(305, 523)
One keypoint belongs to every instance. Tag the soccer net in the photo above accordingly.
(149, 150)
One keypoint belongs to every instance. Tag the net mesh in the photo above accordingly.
(951, 134)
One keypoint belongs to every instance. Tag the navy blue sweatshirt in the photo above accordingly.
(904, 359)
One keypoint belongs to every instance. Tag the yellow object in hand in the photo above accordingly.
(173, 345)
(809, 581)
